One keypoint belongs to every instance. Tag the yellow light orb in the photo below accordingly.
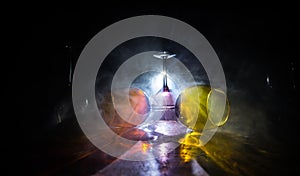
(201, 105)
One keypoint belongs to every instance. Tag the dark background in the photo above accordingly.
(252, 44)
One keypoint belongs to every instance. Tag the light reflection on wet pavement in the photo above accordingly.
(225, 154)
(162, 154)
